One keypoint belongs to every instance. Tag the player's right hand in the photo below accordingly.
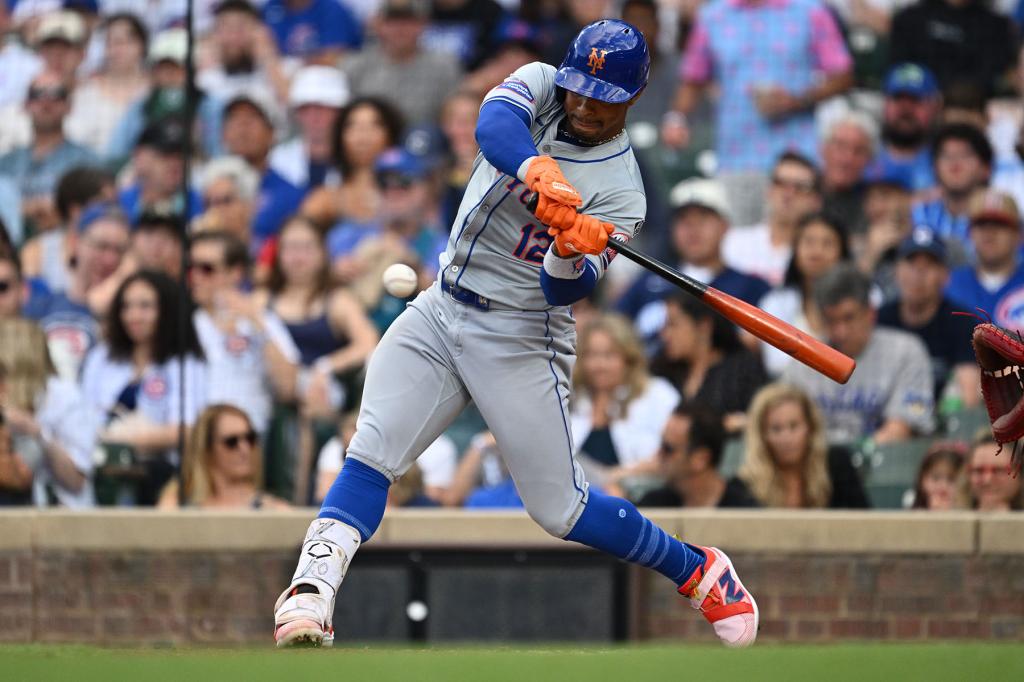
(544, 177)
(587, 235)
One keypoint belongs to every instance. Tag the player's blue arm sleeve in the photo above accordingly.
(503, 133)
(565, 281)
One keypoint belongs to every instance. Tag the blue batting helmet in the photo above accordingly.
(607, 61)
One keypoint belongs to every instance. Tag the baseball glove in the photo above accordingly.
(1001, 358)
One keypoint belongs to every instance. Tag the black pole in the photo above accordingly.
(184, 309)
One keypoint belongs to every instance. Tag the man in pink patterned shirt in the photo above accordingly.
(773, 61)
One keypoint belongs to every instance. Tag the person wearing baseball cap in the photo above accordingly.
(399, 68)
(921, 307)
(316, 97)
(910, 113)
(995, 283)
(60, 40)
(158, 160)
(243, 53)
(700, 219)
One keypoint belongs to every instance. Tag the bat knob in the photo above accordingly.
(531, 203)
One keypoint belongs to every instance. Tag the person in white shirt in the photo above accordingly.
(764, 249)
(147, 377)
(249, 352)
(618, 410)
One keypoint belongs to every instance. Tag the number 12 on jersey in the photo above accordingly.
(533, 244)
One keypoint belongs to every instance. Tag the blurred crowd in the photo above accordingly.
(208, 251)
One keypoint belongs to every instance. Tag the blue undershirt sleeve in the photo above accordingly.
(503, 133)
(558, 291)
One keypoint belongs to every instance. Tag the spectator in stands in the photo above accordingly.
(663, 76)
(60, 40)
(910, 113)
(482, 480)
(699, 224)
(166, 99)
(52, 426)
(159, 165)
(465, 29)
(250, 355)
(229, 189)
(847, 148)
(703, 358)
(691, 449)
(365, 128)
(617, 409)
(102, 100)
(458, 125)
(991, 483)
(963, 163)
(12, 287)
(887, 210)
(773, 64)
(329, 327)
(922, 274)
(18, 62)
(243, 54)
(516, 47)
(819, 245)
(223, 466)
(314, 31)
(400, 69)
(788, 461)
(15, 473)
(317, 95)
(47, 256)
(995, 284)
(158, 241)
(134, 377)
(938, 486)
(69, 318)
(764, 250)
(37, 167)
(249, 121)
(890, 396)
(959, 40)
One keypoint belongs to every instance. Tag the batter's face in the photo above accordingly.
(592, 120)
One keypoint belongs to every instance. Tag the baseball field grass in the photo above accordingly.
(855, 662)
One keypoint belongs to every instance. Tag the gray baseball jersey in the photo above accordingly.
(514, 356)
(497, 246)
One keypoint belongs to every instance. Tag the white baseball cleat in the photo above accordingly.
(303, 613)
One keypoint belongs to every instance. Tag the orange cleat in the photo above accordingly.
(716, 590)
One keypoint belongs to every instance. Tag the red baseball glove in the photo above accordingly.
(1001, 358)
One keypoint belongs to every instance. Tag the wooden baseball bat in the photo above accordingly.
(770, 329)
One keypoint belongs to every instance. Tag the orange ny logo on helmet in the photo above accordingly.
(595, 62)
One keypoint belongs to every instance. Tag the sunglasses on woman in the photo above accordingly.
(233, 441)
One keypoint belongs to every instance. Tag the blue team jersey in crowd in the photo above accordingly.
(277, 200)
(1005, 305)
(324, 24)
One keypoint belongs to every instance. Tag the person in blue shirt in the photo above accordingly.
(995, 284)
(158, 161)
(315, 31)
(699, 224)
(249, 133)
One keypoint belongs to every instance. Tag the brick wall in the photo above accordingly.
(193, 578)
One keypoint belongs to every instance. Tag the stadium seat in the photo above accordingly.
(890, 470)
(732, 457)
(964, 424)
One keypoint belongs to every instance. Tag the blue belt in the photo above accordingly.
(465, 296)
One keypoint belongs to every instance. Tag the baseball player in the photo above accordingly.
(496, 329)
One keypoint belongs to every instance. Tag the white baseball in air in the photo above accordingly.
(400, 280)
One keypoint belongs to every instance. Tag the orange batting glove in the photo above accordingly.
(587, 235)
(544, 177)
(554, 214)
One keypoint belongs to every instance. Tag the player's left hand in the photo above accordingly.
(587, 235)
(555, 214)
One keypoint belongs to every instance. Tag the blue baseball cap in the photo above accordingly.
(399, 161)
(97, 211)
(884, 172)
(911, 79)
(923, 240)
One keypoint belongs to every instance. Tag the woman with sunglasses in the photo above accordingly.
(135, 376)
(223, 465)
(991, 485)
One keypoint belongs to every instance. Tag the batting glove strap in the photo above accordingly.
(563, 268)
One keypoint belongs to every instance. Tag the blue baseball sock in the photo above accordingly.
(357, 498)
(614, 525)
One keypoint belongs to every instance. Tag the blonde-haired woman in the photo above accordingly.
(618, 409)
(54, 429)
(788, 462)
(223, 466)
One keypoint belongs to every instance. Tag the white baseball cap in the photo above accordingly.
(170, 45)
(323, 85)
(701, 192)
(65, 26)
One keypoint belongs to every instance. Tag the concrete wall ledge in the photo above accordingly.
(799, 532)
